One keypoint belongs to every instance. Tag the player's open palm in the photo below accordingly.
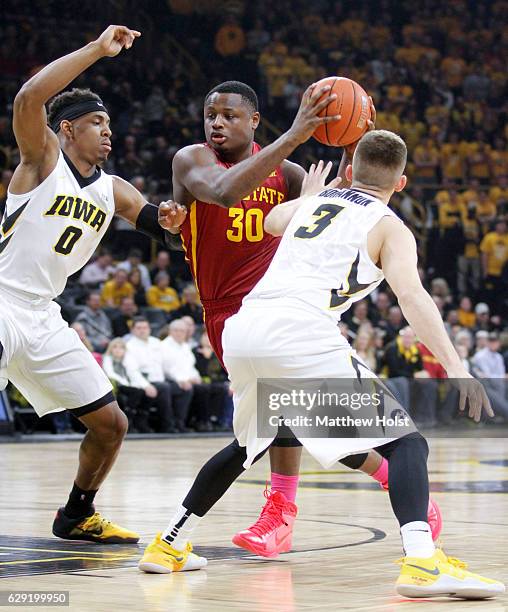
(472, 394)
(307, 118)
(171, 215)
(315, 178)
(115, 38)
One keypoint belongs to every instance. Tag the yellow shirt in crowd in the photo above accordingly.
(496, 248)
(111, 292)
(165, 299)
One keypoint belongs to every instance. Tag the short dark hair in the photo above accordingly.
(139, 319)
(249, 96)
(66, 98)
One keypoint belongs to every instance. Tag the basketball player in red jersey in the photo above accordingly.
(229, 184)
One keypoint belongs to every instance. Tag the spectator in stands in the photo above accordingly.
(80, 330)
(360, 316)
(144, 356)
(393, 325)
(139, 290)
(382, 306)
(116, 289)
(426, 161)
(132, 393)
(365, 349)
(211, 395)
(481, 340)
(162, 264)
(122, 322)
(451, 240)
(401, 361)
(488, 361)
(478, 163)
(467, 317)
(179, 367)
(161, 295)
(134, 260)
(468, 265)
(439, 287)
(99, 271)
(95, 322)
(191, 305)
(193, 335)
(465, 338)
(464, 356)
(494, 249)
(453, 167)
(488, 364)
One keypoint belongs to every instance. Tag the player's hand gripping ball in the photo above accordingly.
(354, 107)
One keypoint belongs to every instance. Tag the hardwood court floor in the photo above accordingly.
(346, 537)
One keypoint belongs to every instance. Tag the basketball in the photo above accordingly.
(352, 104)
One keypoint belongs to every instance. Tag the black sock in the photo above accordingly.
(80, 503)
(408, 478)
(215, 478)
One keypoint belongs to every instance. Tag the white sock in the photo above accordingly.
(179, 530)
(417, 539)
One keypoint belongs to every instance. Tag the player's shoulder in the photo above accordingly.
(390, 226)
(192, 154)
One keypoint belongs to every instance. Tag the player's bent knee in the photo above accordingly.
(108, 422)
(416, 444)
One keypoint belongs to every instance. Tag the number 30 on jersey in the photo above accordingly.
(245, 223)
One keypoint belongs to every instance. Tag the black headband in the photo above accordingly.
(75, 110)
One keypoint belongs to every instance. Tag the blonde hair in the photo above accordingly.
(379, 160)
(115, 342)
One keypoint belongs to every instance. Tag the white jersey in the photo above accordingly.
(322, 260)
(49, 233)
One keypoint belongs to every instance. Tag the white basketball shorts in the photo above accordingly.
(281, 341)
(45, 359)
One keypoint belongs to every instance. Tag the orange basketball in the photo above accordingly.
(352, 104)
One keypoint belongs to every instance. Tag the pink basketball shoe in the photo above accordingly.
(272, 533)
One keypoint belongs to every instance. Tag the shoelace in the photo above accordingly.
(96, 520)
(271, 516)
(456, 562)
(453, 561)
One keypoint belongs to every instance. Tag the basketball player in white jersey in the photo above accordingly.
(337, 246)
(59, 206)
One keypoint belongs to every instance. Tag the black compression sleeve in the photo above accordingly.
(148, 223)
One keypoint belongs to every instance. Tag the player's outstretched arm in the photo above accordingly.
(161, 225)
(280, 216)
(195, 167)
(396, 247)
(29, 120)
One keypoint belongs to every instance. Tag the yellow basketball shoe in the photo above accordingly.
(94, 528)
(441, 576)
(161, 558)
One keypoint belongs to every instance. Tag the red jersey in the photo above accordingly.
(227, 248)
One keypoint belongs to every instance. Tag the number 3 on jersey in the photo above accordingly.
(245, 222)
(68, 239)
(323, 216)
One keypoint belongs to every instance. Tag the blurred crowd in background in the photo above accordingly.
(437, 76)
